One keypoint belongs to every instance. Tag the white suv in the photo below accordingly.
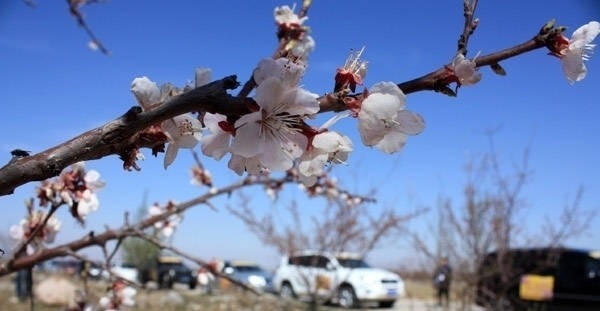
(342, 278)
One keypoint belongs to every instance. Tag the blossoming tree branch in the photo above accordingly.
(264, 128)
(269, 131)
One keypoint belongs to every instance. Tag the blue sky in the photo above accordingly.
(53, 88)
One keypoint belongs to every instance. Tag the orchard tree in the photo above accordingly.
(489, 218)
(265, 130)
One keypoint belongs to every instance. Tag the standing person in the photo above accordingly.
(23, 283)
(442, 277)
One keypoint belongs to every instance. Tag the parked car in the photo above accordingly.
(542, 278)
(249, 274)
(126, 271)
(341, 278)
(168, 271)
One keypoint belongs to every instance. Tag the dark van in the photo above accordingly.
(540, 279)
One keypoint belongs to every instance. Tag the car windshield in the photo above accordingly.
(353, 263)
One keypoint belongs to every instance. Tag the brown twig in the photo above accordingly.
(23, 245)
(469, 8)
(120, 233)
(74, 8)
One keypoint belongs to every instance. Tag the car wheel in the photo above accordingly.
(386, 304)
(287, 291)
(347, 298)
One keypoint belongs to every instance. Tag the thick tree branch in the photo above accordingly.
(119, 135)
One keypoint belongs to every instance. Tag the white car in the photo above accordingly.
(342, 278)
(125, 271)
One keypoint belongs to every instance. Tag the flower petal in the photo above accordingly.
(584, 34)
(392, 142)
(573, 67)
(246, 142)
(146, 92)
(300, 102)
(410, 123)
(183, 129)
(203, 76)
(286, 70)
(269, 94)
(388, 88)
(171, 154)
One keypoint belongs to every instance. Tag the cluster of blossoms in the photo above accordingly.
(323, 186)
(76, 188)
(36, 227)
(201, 177)
(119, 295)
(165, 227)
(328, 187)
(182, 131)
(275, 135)
(292, 33)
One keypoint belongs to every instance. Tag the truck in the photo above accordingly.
(168, 271)
(548, 278)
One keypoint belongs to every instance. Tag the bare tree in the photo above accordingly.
(344, 224)
(487, 220)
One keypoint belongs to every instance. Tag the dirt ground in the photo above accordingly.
(419, 297)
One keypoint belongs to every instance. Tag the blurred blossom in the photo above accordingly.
(166, 227)
(27, 227)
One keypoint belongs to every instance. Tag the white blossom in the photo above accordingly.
(183, 131)
(271, 135)
(327, 147)
(88, 199)
(303, 47)
(146, 92)
(88, 202)
(287, 71)
(465, 70)
(383, 122)
(251, 165)
(167, 226)
(27, 226)
(285, 15)
(579, 50)
(215, 144)
(203, 76)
